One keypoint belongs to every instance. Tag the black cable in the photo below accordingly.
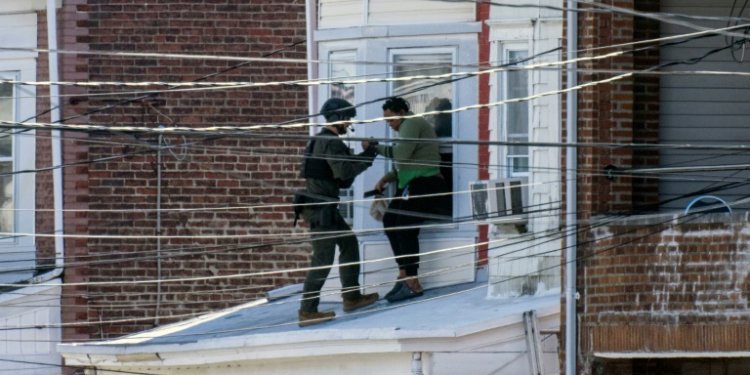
(733, 39)
(71, 367)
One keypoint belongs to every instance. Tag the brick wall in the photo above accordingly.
(44, 195)
(483, 96)
(231, 171)
(658, 284)
(624, 111)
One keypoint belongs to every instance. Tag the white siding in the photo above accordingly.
(347, 13)
(340, 13)
(702, 109)
(361, 364)
(409, 12)
(24, 6)
(500, 12)
(521, 265)
(31, 345)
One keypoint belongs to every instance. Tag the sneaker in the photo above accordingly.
(396, 287)
(309, 318)
(403, 293)
(360, 302)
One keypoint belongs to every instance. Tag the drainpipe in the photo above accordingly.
(416, 364)
(157, 313)
(310, 17)
(57, 178)
(311, 25)
(571, 191)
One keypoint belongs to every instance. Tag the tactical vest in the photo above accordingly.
(316, 166)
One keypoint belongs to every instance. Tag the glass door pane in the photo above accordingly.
(6, 160)
(429, 94)
(343, 68)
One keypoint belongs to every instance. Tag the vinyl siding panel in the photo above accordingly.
(702, 109)
(340, 13)
(348, 13)
(394, 12)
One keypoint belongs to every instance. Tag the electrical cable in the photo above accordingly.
(669, 221)
(373, 260)
(46, 365)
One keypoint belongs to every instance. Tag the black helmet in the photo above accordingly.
(337, 109)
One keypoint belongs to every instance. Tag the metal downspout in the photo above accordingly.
(57, 177)
(571, 191)
(416, 363)
(157, 313)
(311, 25)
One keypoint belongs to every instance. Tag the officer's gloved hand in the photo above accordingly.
(369, 148)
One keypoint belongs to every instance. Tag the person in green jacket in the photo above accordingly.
(417, 174)
(329, 166)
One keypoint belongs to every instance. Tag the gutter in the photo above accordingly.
(163, 347)
(57, 177)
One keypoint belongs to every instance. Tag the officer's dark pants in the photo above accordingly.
(411, 212)
(324, 249)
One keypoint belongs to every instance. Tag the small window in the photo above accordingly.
(515, 124)
(7, 111)
(342, 67)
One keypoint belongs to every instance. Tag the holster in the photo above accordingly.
(325, 213)
(299, 199)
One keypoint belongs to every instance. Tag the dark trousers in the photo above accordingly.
(411, 212)
(324, 251)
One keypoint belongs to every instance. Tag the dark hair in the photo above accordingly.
(396, 104)
(336, 109)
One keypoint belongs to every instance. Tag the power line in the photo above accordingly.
(579, 230)
(670, 220)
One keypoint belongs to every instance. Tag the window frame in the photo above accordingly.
(376, 49)
(347, 196)
(13, 154)
(427, 50)
(21, 249)
(504, 159)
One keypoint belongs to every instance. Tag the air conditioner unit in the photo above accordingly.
(492, 199)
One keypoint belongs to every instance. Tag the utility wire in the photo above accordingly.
(579, 230)
(670, 220)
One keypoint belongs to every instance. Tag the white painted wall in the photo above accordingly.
(31, 345)
(360, 364)
(495, 351)
(519, 264)
(347, 13)
(24, 6)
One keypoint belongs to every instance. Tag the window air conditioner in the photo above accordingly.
(492, 199)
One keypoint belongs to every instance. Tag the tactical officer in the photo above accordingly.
(329, 166)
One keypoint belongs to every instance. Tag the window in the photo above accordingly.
(7, 113)
(426, 95)
(18, 149)
(515, 122)
(17, 192)
(342, 67)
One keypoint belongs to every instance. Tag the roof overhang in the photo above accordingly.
(308, 343)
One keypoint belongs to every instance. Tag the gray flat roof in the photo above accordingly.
(441, 312)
